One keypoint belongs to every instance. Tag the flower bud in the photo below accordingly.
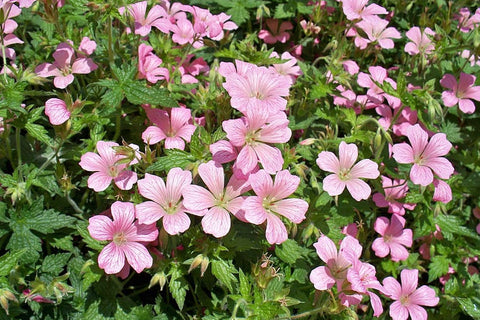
(196, 262)
(204, 265)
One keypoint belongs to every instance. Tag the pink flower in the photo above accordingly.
(443, 192)
(376, 30)
(404, 120)
(57, 111)
(408, 297)
(126, 236)
(148, 65)
(461, 92)
(393, 239)
(173, 127)
(167, 203)
(394, 190)
(106, 168)
(337, 262)
(87, 46)
(274, 32)
(425, 155)
(7, 40)
(270, 203)
(252, 133)
(183, 32)
(66, 64)
(217, 199)
(420, 42)
(362, 277)
(143, 25)
(356, 9)
(256, 87)
(375, 93)
(467, 22)
(344, 175)
(288, 69)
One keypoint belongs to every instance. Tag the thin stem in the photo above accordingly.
(235, 309)
(304, 314)
(73, 204)
(19, 149)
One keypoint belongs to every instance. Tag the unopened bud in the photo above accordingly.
(196, 262)
(159, 278)
(4, 304)
(204, 265)
(308, 142)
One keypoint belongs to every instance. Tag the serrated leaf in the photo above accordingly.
(174, 158)
(224, 271)
(239, 14)
(244, 285)
(438, 267)
(55, 263)
(471, 306)
(285, 10)
(137, 93)
(177, 285)
(414, 198)
(113, 97)
(38, 132)
(48, 221)
(289, 251)
(87, 238)
(453, 224)
(22, 238)
(9, 260)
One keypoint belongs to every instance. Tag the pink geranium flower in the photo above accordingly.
(345, 174)
(87, 46)
(408, 297)
(183, 32)
(217, 201)
(149, 65)
(466, 23)
(126, 236)
(376, 30)
(143, 25)
(65, 66)
(337, 261)
(357, 9)
(394, 238)
(394, 190)
(375, 93)
(57, 111)
(270, 203)
(275, 32)
(420, 42)
(106, 168)
(166, 200)
(443, 192)
(460, 92)
(425, 155)
(362, 277)
(288, 69)
(174, 127)
(253, 133)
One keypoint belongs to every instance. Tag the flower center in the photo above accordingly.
(170, 208)
(112, 171)
(252, 137)
(420, 160)
(387, 238)
(120, 238)
(404, 300)
(344, 174)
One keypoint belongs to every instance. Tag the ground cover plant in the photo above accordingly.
(239, 159)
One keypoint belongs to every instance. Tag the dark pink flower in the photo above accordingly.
(394, 238)
(275, 32)
(460, 92)
(394, 190)
(149, 65)
(57, 111)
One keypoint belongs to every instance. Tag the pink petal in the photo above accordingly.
(276, 232)
(62, 82)
(443, 192)
(92, 162)
(177, 179)
(359, 189)
(409, 279)
(392, 288)
(449, 98)
(137, 256)
(398, 311)
(438, 146)
(449, 81)
(149, 212)
(270, 157)
(153, 135)
(144, 233)
(326, 249)
(83, 66)
(381, 225)
(418, 139)
(376, 304)
(347, 154)
(100, 228)
(216, 222)
(153, 188)
(197, 198)
(213, 177)
(417, 312)
(261, 183)
(125, 180)
(174, 143)
(247, 160)
(254, 211)
(111, 258)
(99, 181)
(123, 214)
(421, 175)
(403, 153)
(285, 184)
(380, 247)
(321, 279)
(223, 151)
(365, 169)
(179, 117)
(398, 252)
(424, 296)
(177, 223)
(293, 209)
(327, 161)
(466, 105)
(441, 166)
(333, 185)
(57, 111)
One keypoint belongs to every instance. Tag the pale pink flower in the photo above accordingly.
(190, 69)
(460, 92)
(66, 64)
(57, 111)
(345, 174)
(288, 69)
(394, 190)
(275, 32)
(375, 93)
(337, 261)
(362, 277)
(173, 127)
(256, 87)
(87, 46)
(7, 40)
(126, 236)
(166, 201)
(376, 30)
(420, 42)
(253, 134)
(217, 199)
(408, 297)
(425, 155)
(149, 65)
(466, 22)
(143, 25)
(183, 32)
(394, 238)
(271, 202)
(356, 9)
(404, 120)
(106, 168)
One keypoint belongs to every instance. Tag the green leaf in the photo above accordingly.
(453, 224)
(9, 260)
(137, 93)
(23, 238)
(224, 271)
(87, 238)
(38, 132)
(177, 285)
(113, 97)
(239, 14)
(48, 221)
(289, 251)
(174, 158)
(245, 286)
(285, 10)
(55, 263)
(471, 306)
(438, 267)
